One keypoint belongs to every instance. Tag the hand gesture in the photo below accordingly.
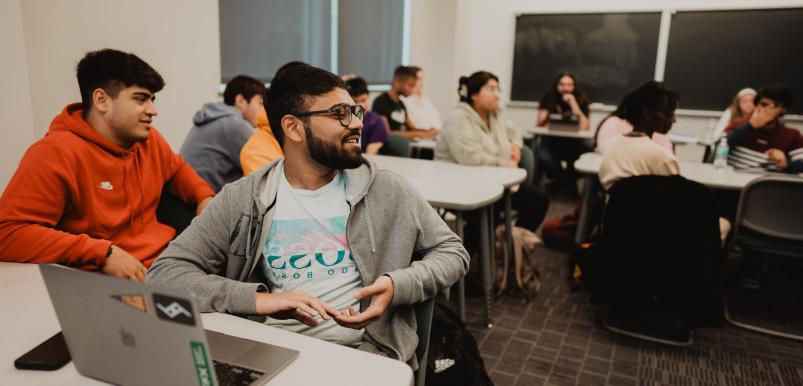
(572, 101)
(778, 158)
(123, 265)
(293, 305)
(381, 293)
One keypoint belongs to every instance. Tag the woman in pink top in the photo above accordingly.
(619, 123)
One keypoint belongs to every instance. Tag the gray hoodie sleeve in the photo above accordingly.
(444, 259)
(196, 260)
(459, 133)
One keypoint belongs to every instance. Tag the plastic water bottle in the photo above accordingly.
(710, 132)
(721, 155)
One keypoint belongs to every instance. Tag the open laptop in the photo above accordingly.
(130, 333)
(561, 122)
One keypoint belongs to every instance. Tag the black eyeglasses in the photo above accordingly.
(343, 112)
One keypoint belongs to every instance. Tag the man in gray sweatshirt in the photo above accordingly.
(321, 242)
(221, 129)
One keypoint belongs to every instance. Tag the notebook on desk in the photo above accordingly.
(131, 333)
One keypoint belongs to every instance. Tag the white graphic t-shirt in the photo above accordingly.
(306, 250)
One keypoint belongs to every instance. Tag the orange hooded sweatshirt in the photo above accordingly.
(75, 193)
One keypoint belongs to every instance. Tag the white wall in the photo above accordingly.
(15, 100)
(179, 38)
(484, 33)
(432, 37)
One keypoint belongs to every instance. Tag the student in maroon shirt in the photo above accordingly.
(765, 141)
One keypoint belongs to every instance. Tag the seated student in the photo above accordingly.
(262, 148)
(737, 113)
(566, 98)
(635, 153)
(477, 132)
(390, 106)
(619, 123)
(374, 132)
(86, 194)
(310, 238)
(765, 142)
(421, 110)
(221, 129)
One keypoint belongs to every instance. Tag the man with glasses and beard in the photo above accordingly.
(321, 242)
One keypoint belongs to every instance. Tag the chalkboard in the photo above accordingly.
(609, 53)
(714, 54)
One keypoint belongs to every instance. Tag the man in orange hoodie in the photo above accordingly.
(86, 194)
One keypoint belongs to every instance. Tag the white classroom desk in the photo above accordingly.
(448, 185)
(540, 131)
(27, 319)
(706, 174)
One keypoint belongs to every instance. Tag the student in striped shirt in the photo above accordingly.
(765, 142)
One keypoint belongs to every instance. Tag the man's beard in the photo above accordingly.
(330, 155)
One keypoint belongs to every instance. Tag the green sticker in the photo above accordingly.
(201, 363)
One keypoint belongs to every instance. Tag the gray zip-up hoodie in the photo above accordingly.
(391, 230)
(213, 144)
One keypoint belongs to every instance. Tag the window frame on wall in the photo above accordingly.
(334, 45)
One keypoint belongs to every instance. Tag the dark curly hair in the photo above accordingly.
(112, 71)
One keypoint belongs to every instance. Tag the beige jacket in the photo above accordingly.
(466, 140)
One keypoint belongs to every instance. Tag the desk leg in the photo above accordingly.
(536, 161)
(584, 222)
(487, 263)
(508, 225)
(461, 285)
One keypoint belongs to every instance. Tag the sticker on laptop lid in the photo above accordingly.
(137, 302)
(201, 363)
(172, 309)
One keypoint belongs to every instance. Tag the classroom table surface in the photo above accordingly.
(448, 171)
(28, 319)
(703, 173)
(529, 132)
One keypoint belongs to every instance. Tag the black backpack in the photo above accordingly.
(454, 358)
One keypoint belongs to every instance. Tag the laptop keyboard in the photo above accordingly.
(233, 375)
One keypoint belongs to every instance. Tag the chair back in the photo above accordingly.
(396, 146)
(173, 212)
(423, 318)
(772, 206)
(527, 163)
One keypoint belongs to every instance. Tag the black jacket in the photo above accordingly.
(660, 245)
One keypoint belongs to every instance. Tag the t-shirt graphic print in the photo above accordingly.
(306, 250)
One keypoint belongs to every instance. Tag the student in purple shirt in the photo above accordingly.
(374, 128)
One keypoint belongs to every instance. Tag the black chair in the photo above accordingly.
(423, 318)
(769, 226)
(174, 212)
(396, 146)
(657, 261)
